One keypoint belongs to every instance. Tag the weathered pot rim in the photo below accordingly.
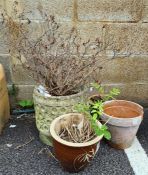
(119, 118)
(123, 122)
(64, 142)
(58, 97)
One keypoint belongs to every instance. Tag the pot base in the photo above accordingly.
(47, 140)
(120, 146)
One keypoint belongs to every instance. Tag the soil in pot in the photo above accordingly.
(121, 112)
(124, 119)
(74, 142)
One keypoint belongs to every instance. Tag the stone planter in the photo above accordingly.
(124, 119)
(4, 100)
(73, 157)
(48, 108)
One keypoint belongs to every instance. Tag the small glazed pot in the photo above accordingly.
(73, 157)
(123, 120)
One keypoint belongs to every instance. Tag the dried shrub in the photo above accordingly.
(76, 130)
(63, 64)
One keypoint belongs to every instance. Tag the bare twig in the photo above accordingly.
(63, 64)
(20, 146)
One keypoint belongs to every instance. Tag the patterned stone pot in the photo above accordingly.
(48, 108)
(73, 157)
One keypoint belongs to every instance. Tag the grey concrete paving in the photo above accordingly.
(20, 153)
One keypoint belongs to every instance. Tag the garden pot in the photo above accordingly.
(4, 100)
(73, 157)
(124, 119)
(48, 108)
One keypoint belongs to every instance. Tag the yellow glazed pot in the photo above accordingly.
(4, 100)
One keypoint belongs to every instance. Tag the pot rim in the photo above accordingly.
(64, 142)
(59, 97)
(120, 118)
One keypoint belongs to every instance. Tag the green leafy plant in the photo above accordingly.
(109, 96)
(93, 109)
(26, 103)
(85, 109)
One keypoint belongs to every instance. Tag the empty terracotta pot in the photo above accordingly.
(124, 119)
(74, 157)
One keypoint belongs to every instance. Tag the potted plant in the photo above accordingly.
(62, 65)
(123, 117)
(77, 136)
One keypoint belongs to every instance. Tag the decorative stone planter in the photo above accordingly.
(48, 108)
(74, 157)
(4, 100)
(124, 119)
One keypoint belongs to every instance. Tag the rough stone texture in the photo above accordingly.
(136, 92)
(5, 61)
(24, 92)
(62, 9)
(128, 37)
(121, 22)
(121, 70)
(3, 42)
(113, 10)
(145, 14)
(90, 30)
(145, 2)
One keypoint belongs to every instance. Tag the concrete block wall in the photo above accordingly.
(126, 20)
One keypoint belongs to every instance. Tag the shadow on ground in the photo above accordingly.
(22, 153)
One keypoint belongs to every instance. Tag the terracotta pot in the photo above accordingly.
(48, 108)
(124, 119)
(4, 100)
(74, 157)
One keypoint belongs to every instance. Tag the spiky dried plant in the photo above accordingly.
(63, 64)
(76, 130)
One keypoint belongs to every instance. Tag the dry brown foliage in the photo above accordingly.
(76, 130)
(63, 64)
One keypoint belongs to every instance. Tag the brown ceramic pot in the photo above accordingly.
(74, 157)
(124, 119)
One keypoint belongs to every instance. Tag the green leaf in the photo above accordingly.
(95, 116)
(93, 111)
(22, 103)
(115, 92)
(98, 131)
(104, 127)
(26, 103)
(98, 87)
(107, 135)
